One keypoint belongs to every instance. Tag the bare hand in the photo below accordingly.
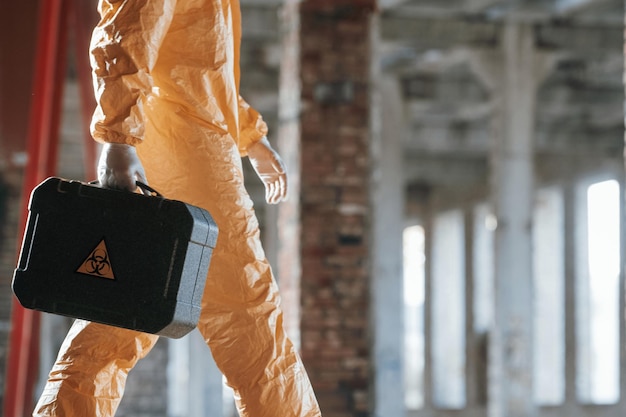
(270, 169)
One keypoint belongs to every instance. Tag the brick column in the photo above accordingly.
(335, 212)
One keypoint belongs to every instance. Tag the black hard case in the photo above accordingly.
(148, 276)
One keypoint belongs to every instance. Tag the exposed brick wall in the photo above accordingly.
(335, 62)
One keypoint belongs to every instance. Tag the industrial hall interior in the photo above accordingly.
(453, 241)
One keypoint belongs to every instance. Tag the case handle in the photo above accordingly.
(143, 186)
(146, 187)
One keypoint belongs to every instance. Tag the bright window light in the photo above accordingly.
(483, 269)
(414, 260)
(598, 297)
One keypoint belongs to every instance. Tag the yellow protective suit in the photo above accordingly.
(166, 75)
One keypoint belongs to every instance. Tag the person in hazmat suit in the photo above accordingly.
(166, 78)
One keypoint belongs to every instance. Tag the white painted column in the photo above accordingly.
(387, 188)
(195, 387)
(512, 181)
(287, 214)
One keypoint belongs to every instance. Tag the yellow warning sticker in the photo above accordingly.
(98, 263)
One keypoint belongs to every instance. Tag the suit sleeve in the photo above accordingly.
(124, 49)
(252, 127)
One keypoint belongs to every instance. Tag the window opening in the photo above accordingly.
(414, 273)
(598, 295)
(483, 294)
(483, 251)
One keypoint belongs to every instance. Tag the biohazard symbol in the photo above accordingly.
(98, 263)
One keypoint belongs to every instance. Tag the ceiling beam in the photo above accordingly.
(427, 33)
(474, 6)
(424, 34)
(445, 170)
(575, 6)
(590, 39)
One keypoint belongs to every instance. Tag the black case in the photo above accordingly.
(114, 257)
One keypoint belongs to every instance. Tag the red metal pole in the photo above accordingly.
(42, 148)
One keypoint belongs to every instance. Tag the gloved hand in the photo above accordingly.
(270, 169)
(119, 167)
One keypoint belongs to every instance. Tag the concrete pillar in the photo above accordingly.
(288, 265)
(335, 209)
(513, 75)
(194, 383)
(388, 192)
(206, 389)
(512, 182)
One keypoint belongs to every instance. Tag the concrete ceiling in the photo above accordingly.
(535, 9)
(432, 47)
